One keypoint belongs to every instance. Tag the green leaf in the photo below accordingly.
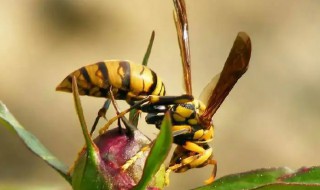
(89, 142)
(158, 153)
(134, 114)
(148, 52)
(32, 142)
(265, 179)
(288, 186)
(134, 117)
(247, 180)
(87, 173)
(304, 175)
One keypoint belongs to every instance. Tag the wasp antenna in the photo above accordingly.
(182, 27)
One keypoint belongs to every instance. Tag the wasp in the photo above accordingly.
(192, 120)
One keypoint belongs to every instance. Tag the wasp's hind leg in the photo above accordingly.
(120, 116)
(101, 113)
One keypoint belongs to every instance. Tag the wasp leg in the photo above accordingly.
(127, 123)
(214, 171)
(177, 166)
(177, 130)
(134, 158)
(130, 127)
(101, 113)
(121, 114)
(194, 161)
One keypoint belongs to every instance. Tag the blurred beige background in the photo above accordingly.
(270, 119)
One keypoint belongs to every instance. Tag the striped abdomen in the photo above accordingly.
(127, 80)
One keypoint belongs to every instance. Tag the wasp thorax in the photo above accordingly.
(187, 113)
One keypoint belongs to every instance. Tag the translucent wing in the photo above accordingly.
(207, 91)
(235, 66)
(181, 21)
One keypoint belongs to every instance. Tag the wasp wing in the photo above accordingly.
(235, 66)
(181, 22)
(207, 91)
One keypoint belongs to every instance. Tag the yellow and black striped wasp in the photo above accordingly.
(192, 121)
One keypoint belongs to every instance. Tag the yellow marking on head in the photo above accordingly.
(203, 158)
